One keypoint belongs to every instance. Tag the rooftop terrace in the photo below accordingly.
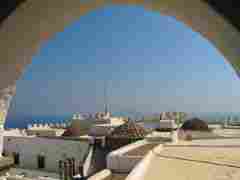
(141, 150)
(211, 159)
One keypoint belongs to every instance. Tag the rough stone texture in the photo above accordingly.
(125, 134)
(6, 162)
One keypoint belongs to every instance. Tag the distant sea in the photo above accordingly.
(23, 121)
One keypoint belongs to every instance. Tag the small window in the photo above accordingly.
(41, 161)
(4, 153)
(16, 157)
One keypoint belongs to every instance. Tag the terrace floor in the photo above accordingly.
(214, 159)
(176, 169)
(142, 150)
(217, 155)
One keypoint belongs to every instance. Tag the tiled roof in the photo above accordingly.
(130, 129)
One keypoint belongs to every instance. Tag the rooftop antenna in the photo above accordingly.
(105, 98)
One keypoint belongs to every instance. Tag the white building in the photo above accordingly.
(12, 132)
(29, 151)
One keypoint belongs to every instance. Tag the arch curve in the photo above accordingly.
(34, 22)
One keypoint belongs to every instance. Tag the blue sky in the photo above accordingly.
(152, 63)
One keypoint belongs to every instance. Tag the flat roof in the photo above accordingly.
(217, 155)
(141, 150)
(224, 151)
(176, 169)
(201, 159)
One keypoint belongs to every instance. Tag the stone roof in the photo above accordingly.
(130, 129)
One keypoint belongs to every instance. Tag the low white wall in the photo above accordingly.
(118, 162)
(127, 163)
(139, 170)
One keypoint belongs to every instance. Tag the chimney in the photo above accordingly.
(65, 171)
(60, 168)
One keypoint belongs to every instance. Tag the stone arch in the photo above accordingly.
(33, 22)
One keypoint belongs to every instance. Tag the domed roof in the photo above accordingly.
(195, 124)
(130, 129)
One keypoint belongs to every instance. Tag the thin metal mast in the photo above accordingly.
(105, 97)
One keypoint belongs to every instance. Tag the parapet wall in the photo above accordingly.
(47, 125)
(118, 162)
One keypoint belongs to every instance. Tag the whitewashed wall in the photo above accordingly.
(53, 149)
(14, 132)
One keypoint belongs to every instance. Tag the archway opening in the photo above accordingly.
(155, 59)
